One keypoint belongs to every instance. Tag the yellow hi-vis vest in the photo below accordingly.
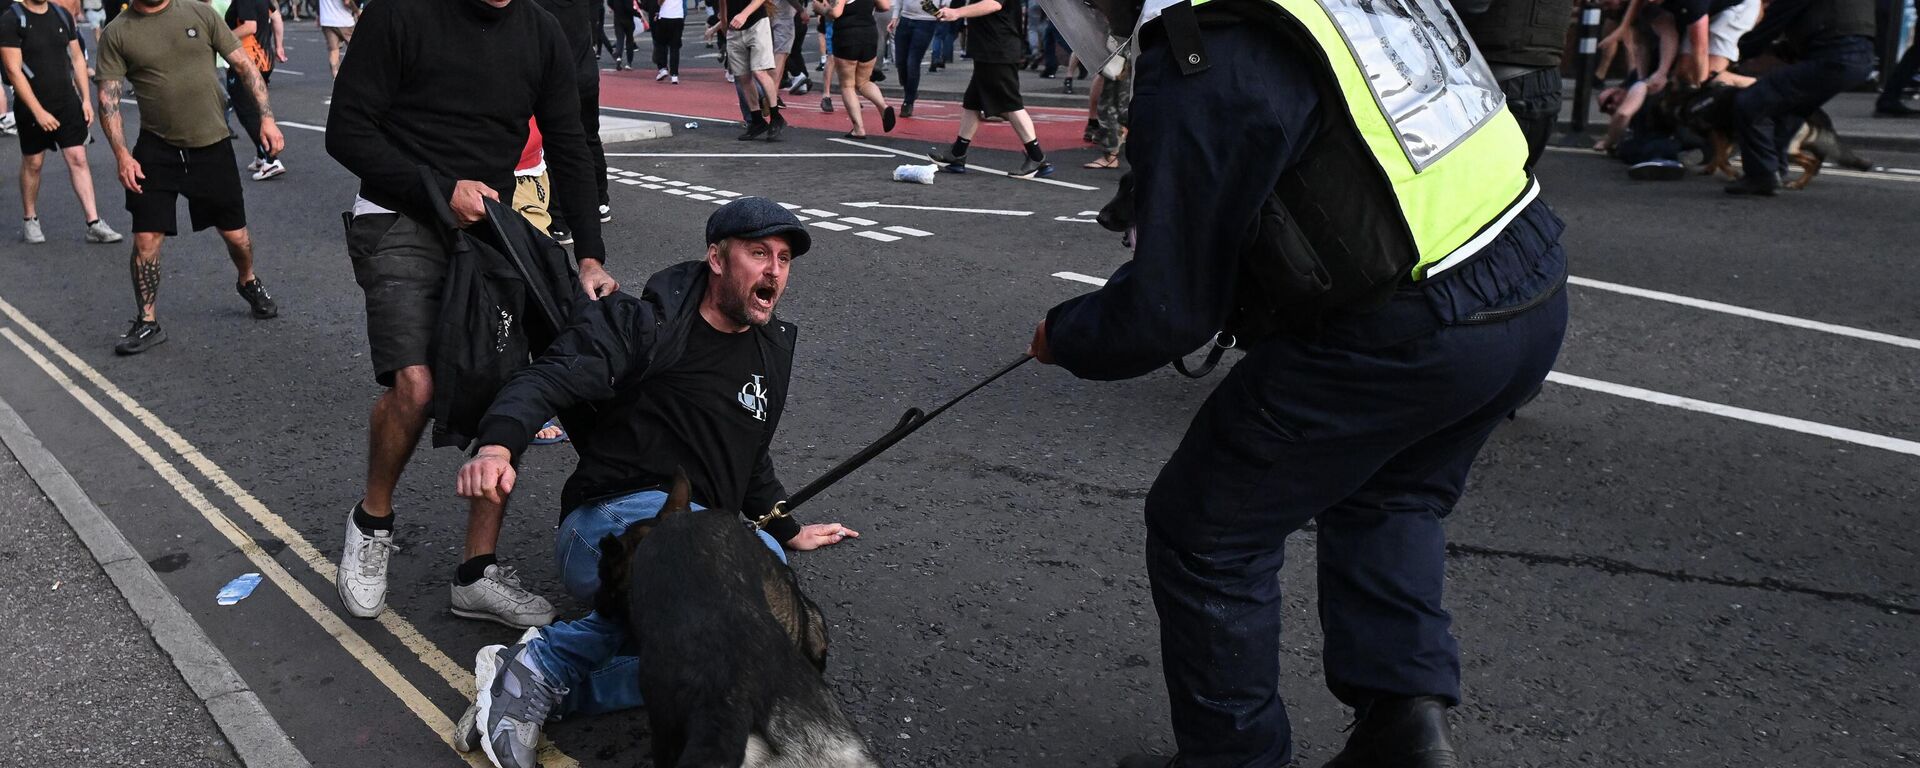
(1429, 113)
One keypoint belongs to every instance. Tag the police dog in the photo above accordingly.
(1708, 112)
(731, 652)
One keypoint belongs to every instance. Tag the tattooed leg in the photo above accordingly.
(145, 267)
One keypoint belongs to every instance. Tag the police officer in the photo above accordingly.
(1523, 41)
(1339, 185)
(1830, 45)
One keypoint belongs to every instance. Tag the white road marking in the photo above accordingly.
(820, 218)
(278, 70)
(350, 641)
(832, 225)
(985, 211)
(698, 196)
(857, 220)
(909, 231)
(1842, 434)
(818, 212)
(303, 126)
(1776, 421)
(1754, 314)
(880, 236)
(698, 188)
(696, 118)
(747, 154)
(970, 166)
(1079, 221)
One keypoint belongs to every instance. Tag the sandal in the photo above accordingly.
(887, 120)
(852, 135)
(1106, 162)
(556, 434)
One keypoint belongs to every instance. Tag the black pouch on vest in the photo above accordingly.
(1282, 277)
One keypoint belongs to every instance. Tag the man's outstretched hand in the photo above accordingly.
(819, 535)
(595, 280)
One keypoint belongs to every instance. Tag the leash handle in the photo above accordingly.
(912, 420)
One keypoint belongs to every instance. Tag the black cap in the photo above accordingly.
(756, 217)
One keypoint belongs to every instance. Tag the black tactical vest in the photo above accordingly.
(1525, 33)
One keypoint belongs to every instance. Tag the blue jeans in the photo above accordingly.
(943, 34)
(589, 655)
(910, 44)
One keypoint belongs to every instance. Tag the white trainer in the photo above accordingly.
(269, 170)
(498, 597)
(98, 233)
(255, 165)
(30, 231)
(362, 578)
(606, 213)
(661, 75)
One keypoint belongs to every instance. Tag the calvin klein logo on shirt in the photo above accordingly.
(753, 397)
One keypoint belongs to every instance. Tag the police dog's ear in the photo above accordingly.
(679, 498)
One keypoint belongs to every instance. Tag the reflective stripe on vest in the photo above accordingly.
(1430, 112)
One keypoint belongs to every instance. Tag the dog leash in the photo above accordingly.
(912, 420)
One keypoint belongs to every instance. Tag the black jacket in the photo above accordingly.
(509, 291)
(593, 376)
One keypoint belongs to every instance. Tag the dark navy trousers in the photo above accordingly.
(1772, 110)
(1368, 430)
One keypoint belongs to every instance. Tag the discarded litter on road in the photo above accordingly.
(238, 589)
(916, 174)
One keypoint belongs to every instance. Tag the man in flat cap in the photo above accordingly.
(691, 374)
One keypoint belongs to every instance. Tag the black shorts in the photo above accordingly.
(401, 266)
(71, 133)
(856, 44)
(208, 177)
(994, 89)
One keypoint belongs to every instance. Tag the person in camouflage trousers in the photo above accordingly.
(1115, 98)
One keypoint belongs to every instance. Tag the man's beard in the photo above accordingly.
(734, 307)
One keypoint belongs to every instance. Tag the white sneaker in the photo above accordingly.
(363, 571)
(99, 232)
(269, 170)
(6, 123)
(498, 597)
(30, 231)
(255, 165)
(674, 79)
(606, 213)
(661, 75)
(729, 77)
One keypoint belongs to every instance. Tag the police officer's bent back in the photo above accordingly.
(1365, 407)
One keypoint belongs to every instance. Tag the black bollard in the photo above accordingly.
(1583, 71)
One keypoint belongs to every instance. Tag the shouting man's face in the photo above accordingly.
(748, 277)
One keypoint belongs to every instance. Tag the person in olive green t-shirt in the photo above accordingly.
(163, 46)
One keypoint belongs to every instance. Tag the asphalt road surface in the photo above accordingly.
(1696, 548)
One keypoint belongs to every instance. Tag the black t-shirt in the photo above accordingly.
(708, 414)
(995, 37)
(1686, 12)
(43, 54)
(242, 11)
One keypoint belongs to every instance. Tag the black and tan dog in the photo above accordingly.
(731, 652)
(1708, 112)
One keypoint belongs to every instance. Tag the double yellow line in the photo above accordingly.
(456, 676)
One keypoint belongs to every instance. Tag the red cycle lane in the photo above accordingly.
(705, 94)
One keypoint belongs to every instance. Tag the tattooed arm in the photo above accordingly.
(256, 85)
(110, 93)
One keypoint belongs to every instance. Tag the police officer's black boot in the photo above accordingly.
(1400, 733)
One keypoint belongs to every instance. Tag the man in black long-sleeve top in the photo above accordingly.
(1830, 43)
(431, 111)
